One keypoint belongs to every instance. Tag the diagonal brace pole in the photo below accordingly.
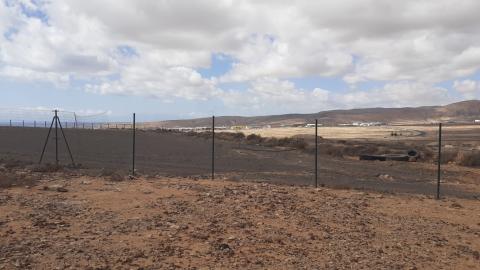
(66, 141)
(46, 140)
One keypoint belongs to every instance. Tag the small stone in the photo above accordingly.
(62, 189)
(456, 205)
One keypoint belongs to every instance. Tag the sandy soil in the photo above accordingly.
(79, 222)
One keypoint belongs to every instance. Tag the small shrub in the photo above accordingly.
(271, 142)
(298, 143)
(425, 154)
(107, 172)
(332, 150)
(238, 135)
(449, 156)
(254, 138)
(45, 168)
(470, 158)
(230, 136)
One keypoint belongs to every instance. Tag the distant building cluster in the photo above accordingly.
(202, 129)
(250, 127)
(368, 124)
(364, 124)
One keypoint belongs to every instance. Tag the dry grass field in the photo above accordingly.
(371, 133)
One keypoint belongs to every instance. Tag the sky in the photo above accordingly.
(173, 59)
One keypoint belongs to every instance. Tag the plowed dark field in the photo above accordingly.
(182, 155)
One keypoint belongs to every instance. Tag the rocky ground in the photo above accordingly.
(70, 221)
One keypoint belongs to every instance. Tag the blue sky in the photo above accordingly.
(219, 57)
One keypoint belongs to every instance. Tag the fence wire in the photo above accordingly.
(107, 147)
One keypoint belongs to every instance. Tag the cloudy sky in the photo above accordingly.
(182, 58)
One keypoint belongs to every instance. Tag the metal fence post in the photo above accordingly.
(213, 147)
(439, 162)
(133, 148)
(316, 153)
(23, 123)
(56, 137)
(10, 123)
(34, 123)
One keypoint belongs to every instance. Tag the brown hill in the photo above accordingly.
(465, 111)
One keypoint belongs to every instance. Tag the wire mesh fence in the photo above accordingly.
(384, 165)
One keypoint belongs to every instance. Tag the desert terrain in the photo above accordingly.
(66, 220)
(260, 212)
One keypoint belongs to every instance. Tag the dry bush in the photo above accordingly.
(449, 156)
(254, 139)
(107, 172)
(425, 154)
(230, 136)
(270, 142)
(468, 158)
(13, 163)
(357, 150)
(298, 143)
(45, 168)
(9, 179)
(334, 150)
(112, 175)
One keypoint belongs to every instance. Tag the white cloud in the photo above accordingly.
(147, 77)
(399, 94)
(274, 96)
(470, 89)
(409, 45)
(264, 55)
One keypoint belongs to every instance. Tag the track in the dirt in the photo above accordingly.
(183, 155)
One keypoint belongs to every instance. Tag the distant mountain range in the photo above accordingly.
(465, 111)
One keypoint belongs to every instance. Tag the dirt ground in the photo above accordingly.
(69, 221)
(172, 154)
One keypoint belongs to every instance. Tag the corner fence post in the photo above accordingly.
(316, 153)
(213, 147)
(439, 161)
(133, 144)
